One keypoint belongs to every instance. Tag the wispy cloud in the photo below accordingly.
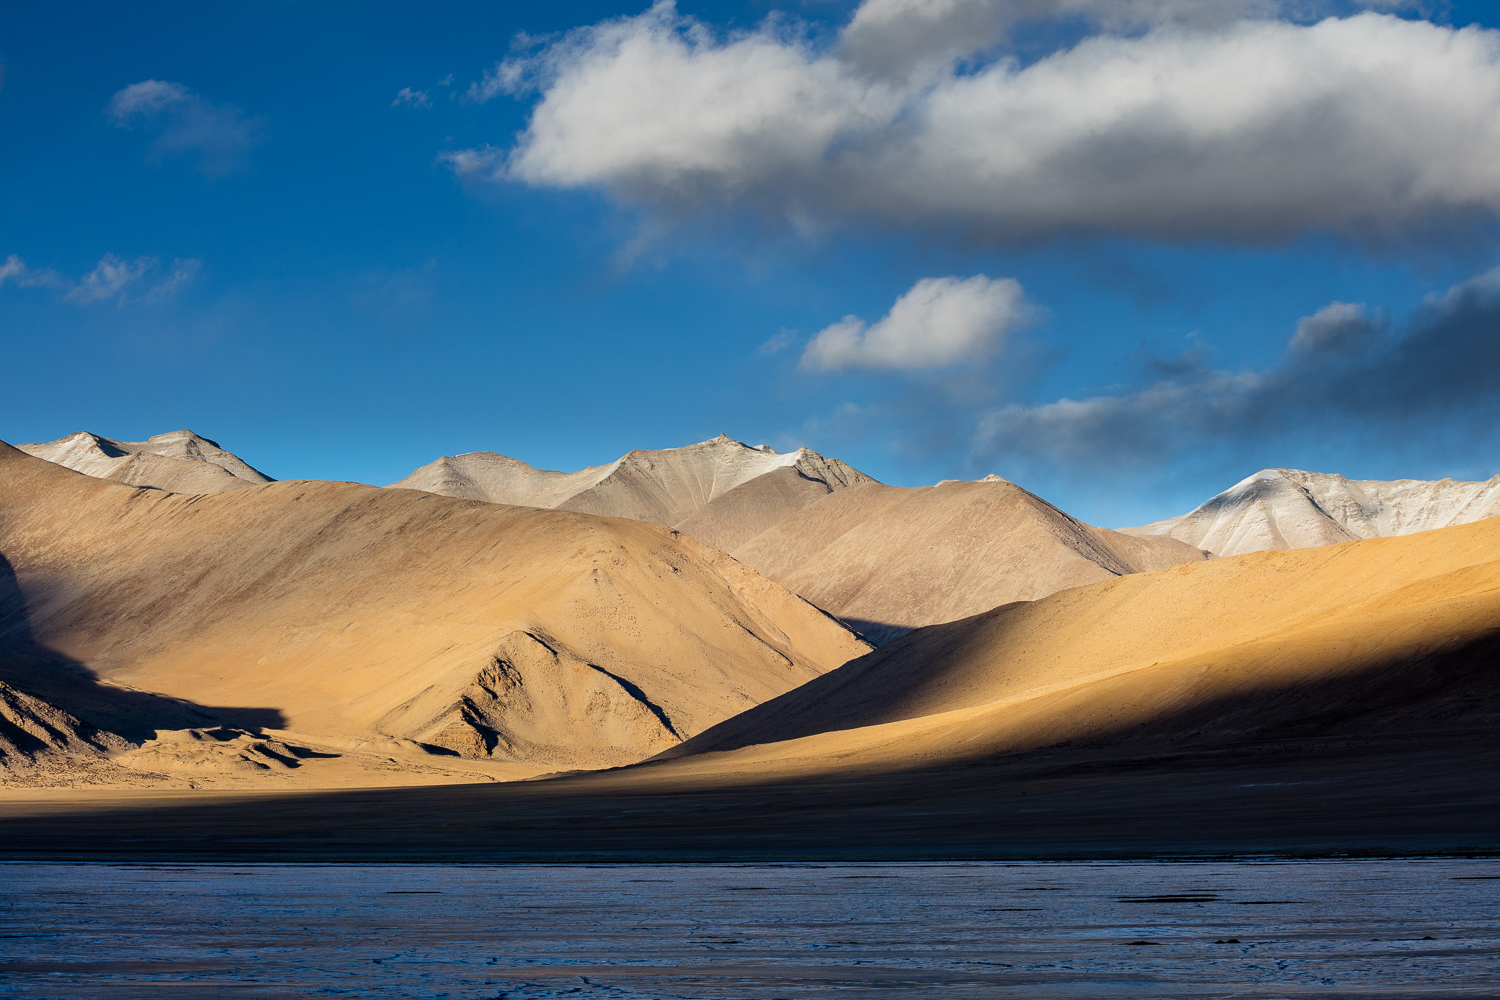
(1176, 120)
(783, 339)
(483, 163)
(406, 97)
(15, 271)
(939, 322)
(220, 135)
(113, 279)
(177, 278)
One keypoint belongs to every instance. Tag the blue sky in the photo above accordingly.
(226, 217)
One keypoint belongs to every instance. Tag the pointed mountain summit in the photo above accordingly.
(667, 486)
(1292, 509)
(178, 461)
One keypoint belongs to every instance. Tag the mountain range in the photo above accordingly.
(709, 619)
(884, 559)
(178, 461)
(1292, 509)
(363, 628)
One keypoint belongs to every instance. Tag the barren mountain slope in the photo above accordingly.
(735, 517)
(888, 559)
(663, 486)
(493, 478)
(1324, 701)
(1292, 509)
(1340, 641)
(40, 743)
(358, 614)
(178, 462)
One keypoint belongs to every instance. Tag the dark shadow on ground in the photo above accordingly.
(873, 632)
(1410, 765)
(31, 667)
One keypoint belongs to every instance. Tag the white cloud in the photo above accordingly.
(939, 322)
(784, 338)
(411, 98)
(220, 135)
(504, 77)
(484, 163)
(1247, 130)
(110, 278)
(15, 271)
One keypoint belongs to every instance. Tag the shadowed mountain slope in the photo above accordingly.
(888, 559)
(1341, 641)
(178, 462)
(543, 638)
(1292, 509)
(664, 487)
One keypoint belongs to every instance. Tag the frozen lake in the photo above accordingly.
(1262, 929)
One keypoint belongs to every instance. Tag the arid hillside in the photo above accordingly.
(1334, 700)
(360, 620)
(888, 559)
(1349, 641)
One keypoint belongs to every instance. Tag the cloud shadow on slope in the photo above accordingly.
(35, 669)
(876, 633)
(1399, 757)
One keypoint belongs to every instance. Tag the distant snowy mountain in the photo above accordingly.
(1292, 509)
(666, 486)
(178, 461)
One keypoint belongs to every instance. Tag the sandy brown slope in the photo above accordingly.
(178, 461)
(1336, 641)
(1322, 701)
(734, 518)
(354, 613)
(888, 559)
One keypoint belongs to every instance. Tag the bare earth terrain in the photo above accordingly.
(884, 559)
(217, 676)
(294, 629)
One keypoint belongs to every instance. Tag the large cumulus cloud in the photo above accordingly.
(1187, 126)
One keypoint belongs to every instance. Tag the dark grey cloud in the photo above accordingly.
(1347, 374)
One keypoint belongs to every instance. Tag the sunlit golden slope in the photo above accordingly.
(542, 637)
(1335, 641)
